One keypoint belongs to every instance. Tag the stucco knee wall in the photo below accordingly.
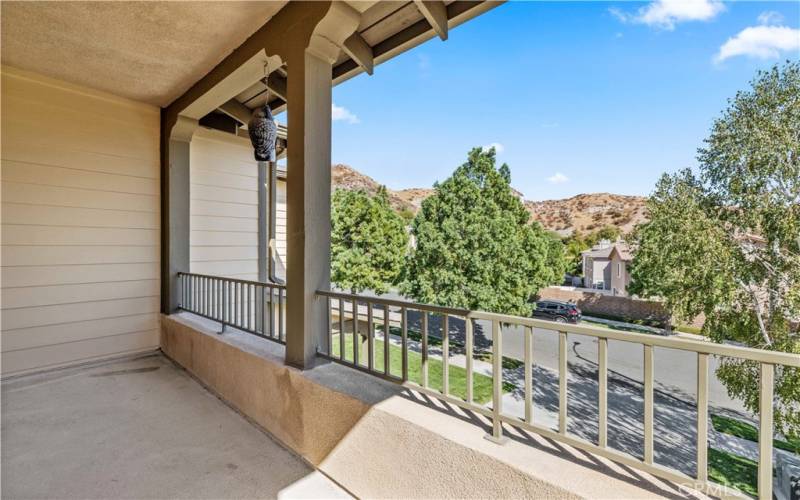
(353, 437)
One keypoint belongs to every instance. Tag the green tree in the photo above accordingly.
(368, 241)
(727, 243)
(474, 246)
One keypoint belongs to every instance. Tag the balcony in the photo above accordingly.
(447, 359)
(148, 352)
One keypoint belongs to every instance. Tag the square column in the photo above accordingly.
(175, 231)
(308, 189)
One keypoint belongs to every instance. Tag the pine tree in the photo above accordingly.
(475, 247)
(368, 241)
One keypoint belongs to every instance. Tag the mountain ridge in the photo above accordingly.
(584, 212)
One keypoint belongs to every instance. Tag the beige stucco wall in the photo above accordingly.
(80, 223)
(224, 206)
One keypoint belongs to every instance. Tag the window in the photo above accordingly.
(619, 269)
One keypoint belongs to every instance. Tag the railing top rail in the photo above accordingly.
(235, 280)
(394, 302)
(684, 344)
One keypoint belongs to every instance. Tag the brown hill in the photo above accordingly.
(584, 212)
(589, 212)
(346, 177)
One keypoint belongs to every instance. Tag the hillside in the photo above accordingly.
(589, 212)
(346, 177)
(584, 212)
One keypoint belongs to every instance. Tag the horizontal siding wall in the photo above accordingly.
(280, 229)
(224, 206)
(80, 224)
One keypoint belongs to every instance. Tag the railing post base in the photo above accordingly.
(496, 440)
(222, 330)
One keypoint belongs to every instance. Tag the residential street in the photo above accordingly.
(675, 413)
(675, 371)
(674, 418)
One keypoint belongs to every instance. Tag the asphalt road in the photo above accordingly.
(675, 371)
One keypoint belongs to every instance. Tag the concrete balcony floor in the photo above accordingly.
(139, 428)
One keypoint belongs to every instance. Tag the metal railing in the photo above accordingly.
(251, 306)
(360, 311)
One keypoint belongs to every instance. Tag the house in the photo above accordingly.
(605, 267)
(146, 352)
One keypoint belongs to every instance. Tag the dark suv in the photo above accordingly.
(562, 312)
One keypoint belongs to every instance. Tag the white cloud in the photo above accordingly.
(665, 14)
(498, 148)
(558, 178)
(770, 17)
(763, 42)
(339, 113)
(423, 62)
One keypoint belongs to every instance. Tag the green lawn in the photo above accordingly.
(732, 470)
(482, 384)
(747, 431)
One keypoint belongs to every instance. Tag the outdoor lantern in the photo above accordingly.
(263, 130)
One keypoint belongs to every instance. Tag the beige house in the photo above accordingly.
(148, 350)
(605, 267)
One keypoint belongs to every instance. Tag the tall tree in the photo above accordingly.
(368, 241)
(727, 243)
(474, 246)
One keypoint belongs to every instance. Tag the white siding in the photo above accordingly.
(280, 228)
(80, 223)
(224, 206)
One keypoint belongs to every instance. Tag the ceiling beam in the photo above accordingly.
(360, 51)
(435, 12)
(277, 85)
(237, 111)
(458, 12)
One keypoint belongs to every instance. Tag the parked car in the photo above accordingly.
(554, 310)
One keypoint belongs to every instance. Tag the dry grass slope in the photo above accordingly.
(584, 212)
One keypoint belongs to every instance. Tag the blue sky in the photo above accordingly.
(582, 96)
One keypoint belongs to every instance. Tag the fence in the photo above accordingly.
(361, 311)
(251, 306)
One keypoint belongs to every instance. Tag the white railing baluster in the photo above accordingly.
(497, 384)
(356, 334)
(330, 326)
(425, 349)
(404, 341)
(765, 434)
(562, 382)
(528, 374)
(445, 355)
(341, 328)
(648, 404)
(469, 338)
(370, 338)
(602, 392)
(702, 417)
(386, 337)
